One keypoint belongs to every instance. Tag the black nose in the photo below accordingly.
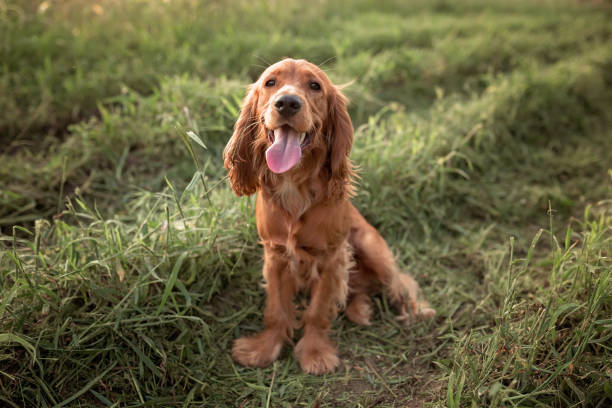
(288, 105)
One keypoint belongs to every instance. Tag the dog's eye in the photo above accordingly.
(315, 86)
(270, 82)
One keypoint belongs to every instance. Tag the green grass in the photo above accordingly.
(127, 266)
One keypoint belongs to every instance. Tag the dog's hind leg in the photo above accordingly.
(376, 263)
(359, 306)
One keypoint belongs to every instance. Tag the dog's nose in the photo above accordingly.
(288, 105)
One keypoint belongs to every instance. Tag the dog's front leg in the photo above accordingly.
(279, 315)
(315, 351)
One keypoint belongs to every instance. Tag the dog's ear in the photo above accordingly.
(340, 141)
(238, 153)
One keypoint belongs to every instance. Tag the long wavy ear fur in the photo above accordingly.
(340, 141)
(238, 153)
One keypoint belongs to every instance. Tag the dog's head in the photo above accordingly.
(293, 120)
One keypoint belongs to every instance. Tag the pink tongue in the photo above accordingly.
(285, 152)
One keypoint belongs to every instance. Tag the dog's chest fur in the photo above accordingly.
(293, 198)
(306, 250)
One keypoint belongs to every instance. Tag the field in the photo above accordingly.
(484, 145)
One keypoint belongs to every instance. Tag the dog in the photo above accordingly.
(291, 146)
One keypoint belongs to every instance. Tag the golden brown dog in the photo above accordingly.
(291, 144)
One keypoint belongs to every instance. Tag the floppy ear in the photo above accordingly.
(238, 153)
(340, 141)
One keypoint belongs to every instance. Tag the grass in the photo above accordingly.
(127, 267)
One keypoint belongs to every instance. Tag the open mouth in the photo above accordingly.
(304, 138)
(286, 149)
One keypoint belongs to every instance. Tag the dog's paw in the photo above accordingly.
(359, 311)
(257, 351)
(317, 355)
